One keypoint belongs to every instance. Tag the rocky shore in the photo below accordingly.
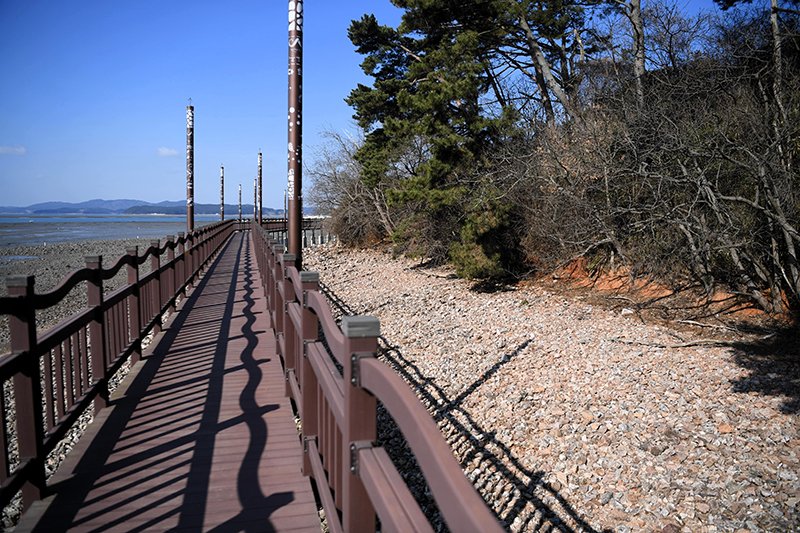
(572, 417)
(50, 264)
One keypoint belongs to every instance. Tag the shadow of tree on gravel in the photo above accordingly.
(528, 487)
(774, 367)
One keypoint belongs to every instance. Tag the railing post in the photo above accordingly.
(154, 267)
(306, 378)
(290, 333)
(27, 388)
(360, 419)
(273, 285)
(134, 310)
(268, 247)
(171, 276)
(182, 261)
(285, 261)
(97, 331)
(189, 260)
(206, 246)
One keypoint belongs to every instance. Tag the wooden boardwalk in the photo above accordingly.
(199, 437)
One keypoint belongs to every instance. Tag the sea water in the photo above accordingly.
(26, 230)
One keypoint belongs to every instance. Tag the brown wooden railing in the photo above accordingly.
(314, 230)
(69, 365)
(355, 478)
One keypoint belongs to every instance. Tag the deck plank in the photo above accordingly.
(200, 436)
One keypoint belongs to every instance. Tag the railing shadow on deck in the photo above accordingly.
(78, 356)
(335, 386)
(492, 454)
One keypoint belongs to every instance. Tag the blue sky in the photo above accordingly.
(93, 94)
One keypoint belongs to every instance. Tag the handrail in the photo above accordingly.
(315, 230)
(78, 355)
(355, 477)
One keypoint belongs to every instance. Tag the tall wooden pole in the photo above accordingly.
(222, 193)
(189, 168)
(260, 199)
(255, 200)
(240, 202)
(295, 182)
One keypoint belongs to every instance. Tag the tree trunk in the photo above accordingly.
(633, 11)
(543, 69)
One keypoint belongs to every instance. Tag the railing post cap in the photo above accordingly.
(307, 276)
(134, 249)
(289, 257)
(181, 234)
(19, 280)
(279, 248)
(170, 237)
(93, 258)
(361, 326)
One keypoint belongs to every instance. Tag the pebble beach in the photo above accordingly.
(572, 417)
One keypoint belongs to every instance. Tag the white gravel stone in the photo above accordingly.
(549, 395)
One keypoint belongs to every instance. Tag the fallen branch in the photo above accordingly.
(700, 324)
(621, 298)
(698, 342)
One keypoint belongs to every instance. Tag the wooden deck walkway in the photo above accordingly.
(200, 436)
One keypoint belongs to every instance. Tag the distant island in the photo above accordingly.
(200, 209)
(135, 207)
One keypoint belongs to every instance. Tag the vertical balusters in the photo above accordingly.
(49, 402)
(3, 435)
(83, 346)
(337, 474)
(108, 317)
(69, 395)
(120, 313)
(60, 403)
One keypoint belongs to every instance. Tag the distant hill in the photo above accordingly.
(71, 211)
(134, 207)
(90, 207)
(199, 209)
(97, 205)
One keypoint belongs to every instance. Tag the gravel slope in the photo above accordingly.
(565, 422)
(561, 421)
